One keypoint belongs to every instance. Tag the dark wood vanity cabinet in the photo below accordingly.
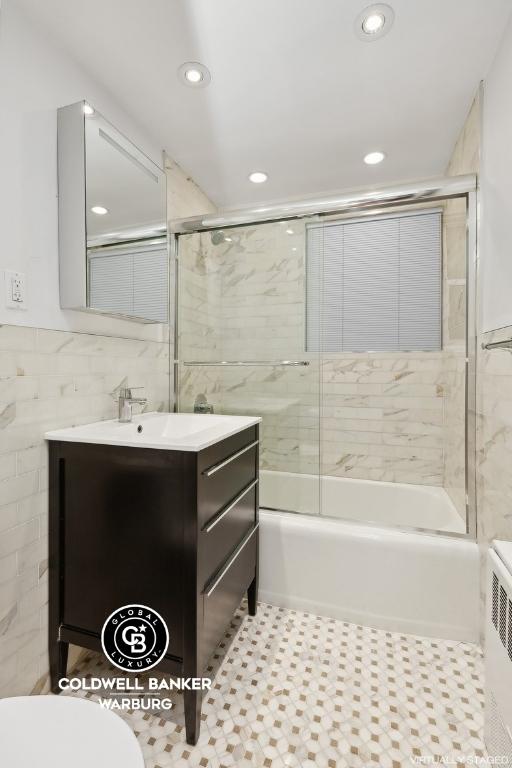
(173, 530)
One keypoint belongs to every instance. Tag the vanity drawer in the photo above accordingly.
(224, 592)
(225, 530)
(225, 470)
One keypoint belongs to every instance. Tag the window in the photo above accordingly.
(375, 285)
(130, 281)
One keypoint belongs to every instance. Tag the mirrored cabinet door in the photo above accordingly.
(112, 221)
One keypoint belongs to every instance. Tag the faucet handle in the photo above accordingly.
(126, 392)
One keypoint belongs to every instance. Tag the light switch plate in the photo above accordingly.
(15, 290)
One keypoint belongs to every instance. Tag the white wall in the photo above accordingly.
(496, 183)
(35, 79)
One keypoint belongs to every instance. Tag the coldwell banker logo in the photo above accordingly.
(134, 638)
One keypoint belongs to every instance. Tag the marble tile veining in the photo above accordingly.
(244, 300)
(50, 379)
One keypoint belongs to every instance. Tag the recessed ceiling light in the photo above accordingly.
(374, 158)
(99, 210)
(228, 239)
(88, 110)
(289, 231)
(258, 177)
(194, 74)
(374, 21)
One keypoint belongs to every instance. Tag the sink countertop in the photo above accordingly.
(165, 431)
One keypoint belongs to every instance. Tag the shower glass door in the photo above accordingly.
(348, 335)
(241, 347)
(392, 312)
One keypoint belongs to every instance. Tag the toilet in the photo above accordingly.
(63, 731)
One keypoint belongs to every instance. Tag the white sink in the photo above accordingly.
(168, 431)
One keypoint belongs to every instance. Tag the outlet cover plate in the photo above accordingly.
(15, 290)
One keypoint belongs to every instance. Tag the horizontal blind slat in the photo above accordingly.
(420, 283)
(130, 282)
(375, 285)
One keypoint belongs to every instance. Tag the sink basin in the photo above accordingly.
(167, 431)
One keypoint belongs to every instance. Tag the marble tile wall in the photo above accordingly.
(494, 457)
(454, 348)
(382, 415)
(494, 449)
(286, 397)
(464, 159)
(494, 393)
(454, 427)
(200, 299)
(243, 300)
(50, 379)
(184, 197)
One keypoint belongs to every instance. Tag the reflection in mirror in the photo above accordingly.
(125, 202)
(113, 255)
(125, 190)
(130, 279)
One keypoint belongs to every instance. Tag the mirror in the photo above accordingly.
(112, 221)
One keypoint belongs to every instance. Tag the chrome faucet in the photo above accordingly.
(126, 401)
(202, 405)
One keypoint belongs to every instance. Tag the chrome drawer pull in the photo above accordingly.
(225, 511)
(225, 462)
(231, 561)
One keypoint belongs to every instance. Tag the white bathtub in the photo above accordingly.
(395, 504)
(402, 582)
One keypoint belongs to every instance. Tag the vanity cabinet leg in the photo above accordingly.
(252, 591)
(58, 663)
(252, 596)
(192, 715)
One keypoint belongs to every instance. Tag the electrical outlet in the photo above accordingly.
(15, 290)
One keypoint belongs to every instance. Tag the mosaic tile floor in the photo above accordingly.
(294, 689)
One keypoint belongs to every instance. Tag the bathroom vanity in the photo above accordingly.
(162, 512)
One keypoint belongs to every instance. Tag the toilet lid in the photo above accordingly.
(63, 731)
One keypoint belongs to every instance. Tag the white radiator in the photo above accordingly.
(498, 653)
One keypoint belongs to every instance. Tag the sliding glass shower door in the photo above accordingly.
(348, 335)
(241, 346)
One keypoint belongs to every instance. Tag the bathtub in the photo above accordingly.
(400, 581)
(401, 505)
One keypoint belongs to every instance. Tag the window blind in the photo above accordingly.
(375, 285)
(130, 281)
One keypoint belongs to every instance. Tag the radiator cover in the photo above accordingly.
(498, 652)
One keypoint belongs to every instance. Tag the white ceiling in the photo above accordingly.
(294, 91)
